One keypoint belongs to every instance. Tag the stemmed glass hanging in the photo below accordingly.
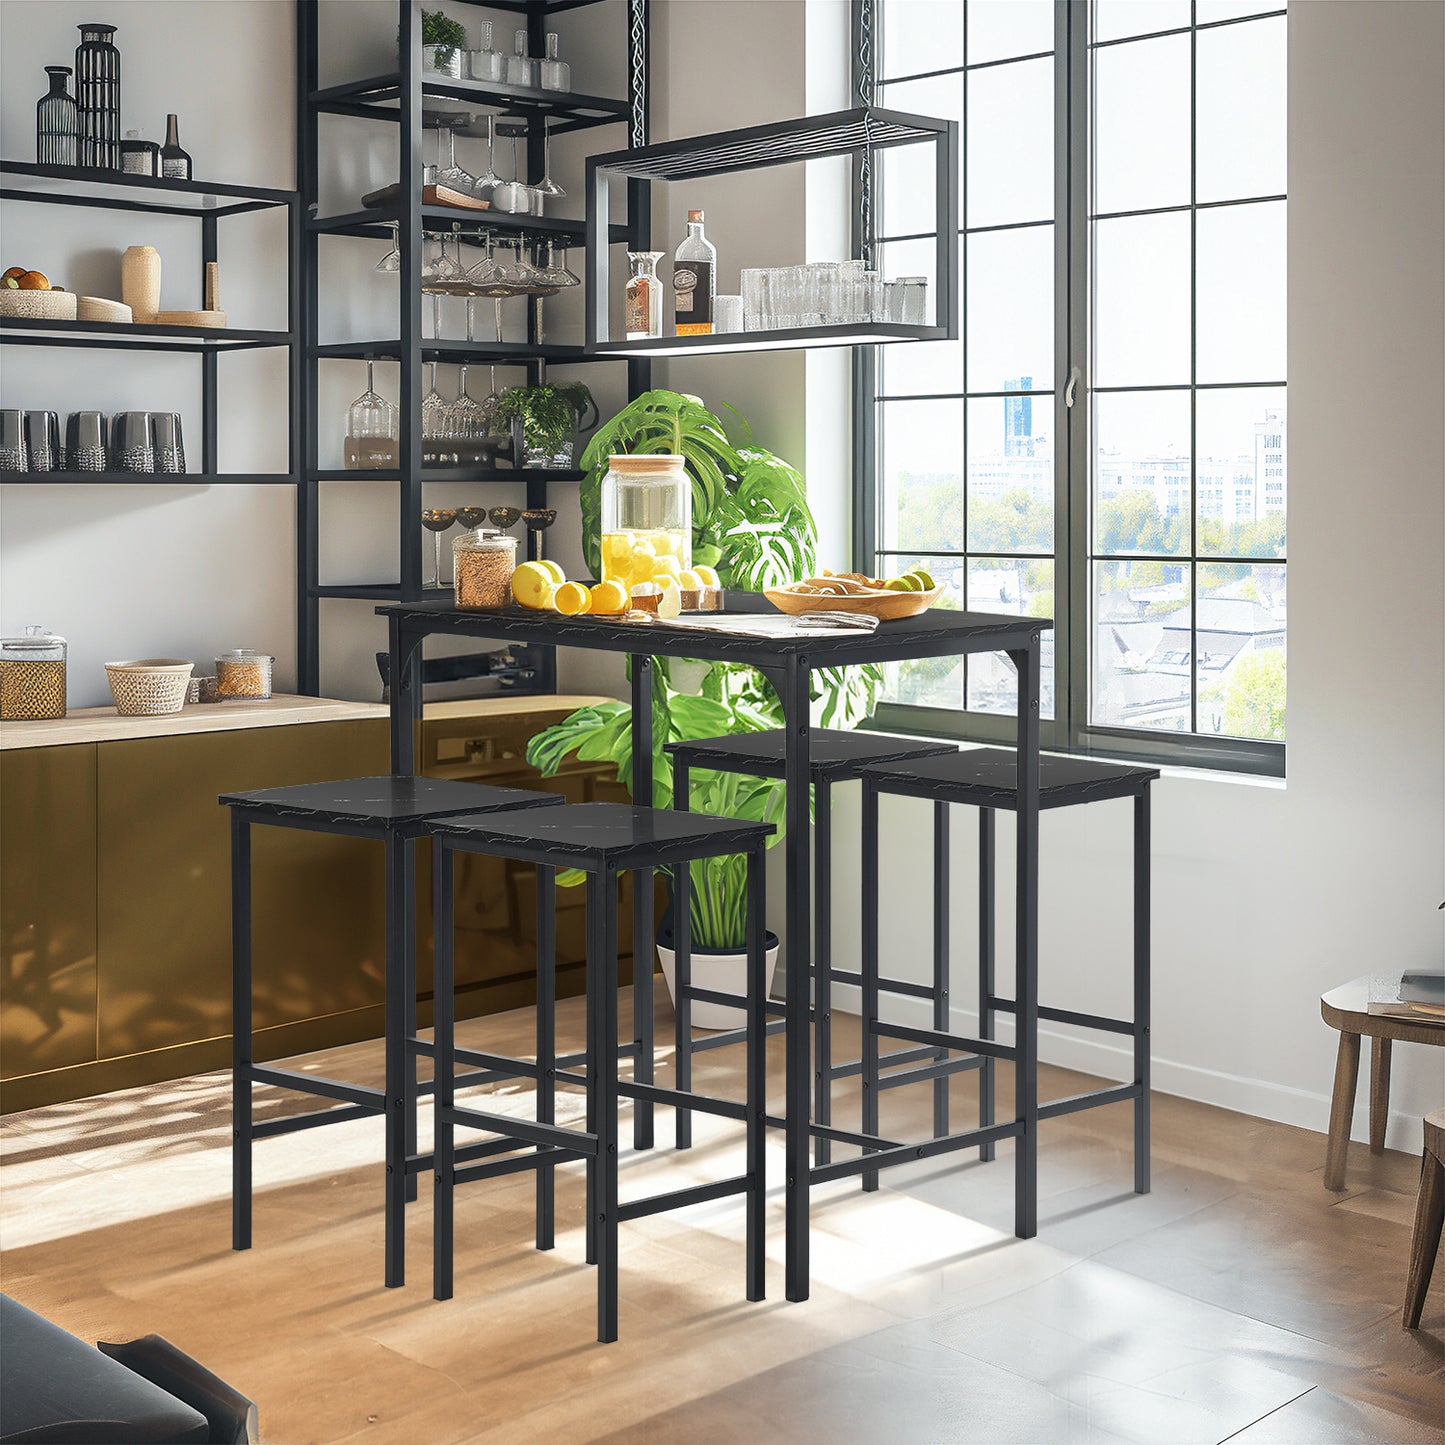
(489, 180)
(439, 276)
(489, 277)
(547, 186)
(433, 419)
(513, 196)
(470, 422)
(451, 175)
(390, 264)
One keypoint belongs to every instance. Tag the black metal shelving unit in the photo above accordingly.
(397, 98)
(204, 201)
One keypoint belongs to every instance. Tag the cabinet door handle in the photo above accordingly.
(1072, 386)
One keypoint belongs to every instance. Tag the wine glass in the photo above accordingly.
(433, 419)
(390, 264)
(436, 272)
(547, 186)
(471, 424)
(471, 517)
(489, 180)
(504, 517)
(451, 174)
(513, 196)
(537, 520)
(436, 520)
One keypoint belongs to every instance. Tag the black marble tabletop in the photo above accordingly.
(385, 800)
(833, 753)
(988, 777)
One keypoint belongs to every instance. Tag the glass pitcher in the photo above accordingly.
(646, 517)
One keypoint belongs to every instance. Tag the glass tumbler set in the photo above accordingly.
(132, 441)
(829, 293)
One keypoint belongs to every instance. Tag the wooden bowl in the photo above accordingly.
(215, 319)
(38, 305)
(886, 607)
(101, 308)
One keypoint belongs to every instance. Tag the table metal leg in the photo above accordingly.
(398, 1060)
(606, 1090)
(644, 953)
(596, 940)
(941, 885)
(1342, 1109)
(546, 1046)
(241, 1046)
(793, 693)
(1026, 1079)
(757, 1092)
(682, 960)
(1141, 991)
(410, 1092)
(444, 1067)
(987, 980)
(823, 965)
(869, 970)
(404, 679)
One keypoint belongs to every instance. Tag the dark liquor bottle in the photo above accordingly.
(694, 280)
(175, 163)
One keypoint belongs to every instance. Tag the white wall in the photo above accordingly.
(1267, 894)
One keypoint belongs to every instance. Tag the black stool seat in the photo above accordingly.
(383, 803)
(988, 778)
(833, 755)
(602, 835)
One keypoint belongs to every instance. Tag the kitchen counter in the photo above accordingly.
(105, 725)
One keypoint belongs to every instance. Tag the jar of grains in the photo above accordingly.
(243, 673)
(482, 565)
(32, 676)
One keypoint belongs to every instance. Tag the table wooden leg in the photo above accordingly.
(1342, 1109)
(1425, 1243)
(1379, 1092)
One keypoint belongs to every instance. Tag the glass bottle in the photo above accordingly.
(139, 157)
(643, 304)
(521, 70)
(556, 74)
(57, 122)
(485, 63)
(370, 431)
(694, 280)
(97, 94)
(175, 163)
(646, 516)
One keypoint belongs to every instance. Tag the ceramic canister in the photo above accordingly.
(140, 283)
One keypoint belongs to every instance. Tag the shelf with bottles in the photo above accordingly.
(842, 303)
(131, 336)
(115, 190)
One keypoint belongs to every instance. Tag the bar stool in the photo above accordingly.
(834, 756)
(396, 810)
(601, 839)
(986, 778)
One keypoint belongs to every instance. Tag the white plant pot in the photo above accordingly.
(724, 972)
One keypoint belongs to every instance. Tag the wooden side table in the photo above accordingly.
(1347, 1009)
(1429, 1217)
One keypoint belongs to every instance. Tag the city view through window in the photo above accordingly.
(1182, 513)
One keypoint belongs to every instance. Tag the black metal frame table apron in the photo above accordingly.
(787, 663)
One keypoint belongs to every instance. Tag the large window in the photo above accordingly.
(1106, 444)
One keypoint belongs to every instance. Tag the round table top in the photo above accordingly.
(1347, 1008)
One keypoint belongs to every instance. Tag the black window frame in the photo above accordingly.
(1070, 729)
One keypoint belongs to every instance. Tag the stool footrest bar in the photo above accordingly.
(681, 1198)
(503, 1066)
(680, 1099)
(1072, 1105)
(536, 1159)
(945, 1041)
(909, 1153)
(851, 1068)
(527, 1130)
(736, 1036)
(373, 1099)
(839, 1136)
(731, 1000)
(925, 1072)
(1069, 1016)
(293, 1123)
(885, 985)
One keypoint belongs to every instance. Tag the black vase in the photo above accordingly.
(57, 122)
(97, 91)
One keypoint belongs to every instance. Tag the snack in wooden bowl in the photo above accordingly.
(850, 593)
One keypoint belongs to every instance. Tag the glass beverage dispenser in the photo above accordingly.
(646, 520)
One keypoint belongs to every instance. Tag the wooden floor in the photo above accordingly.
(1239, 1301)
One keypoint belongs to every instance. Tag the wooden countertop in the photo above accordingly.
(104, 725)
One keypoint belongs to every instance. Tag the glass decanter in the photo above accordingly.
(370, 431)
(556, 74)
(485, 63)
(643, 299)
(521, 70)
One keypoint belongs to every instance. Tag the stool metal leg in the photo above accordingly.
(869, 1008)
(546, 1046)
(940, 958)
(606, 1089)
(823, 965)
(596, 941)
(757, 1077)
(398, 1060)
(987, 983)
(1026, 944)
(644, 954)
(1141, 991)
(682, 964)
(444, 1040)
(408, 938)
(241, 1048)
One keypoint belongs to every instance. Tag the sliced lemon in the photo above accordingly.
(925, 577)
(690, 580)
(609, 599)
(572, 599)
(666, 568)
(555, 568)
(532, 584)
(709, 576)
(669, 605)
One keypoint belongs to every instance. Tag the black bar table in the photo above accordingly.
(787, 663)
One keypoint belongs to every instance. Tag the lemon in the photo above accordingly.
(669, 605)
(532, 584)
(572, 599)
(926, 578)
(690, 580)
(907, 583)
(555, 568)
(666, 569)
(709, 576)
(609, 598)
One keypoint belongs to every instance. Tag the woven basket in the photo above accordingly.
(38, 305)
(149, 686)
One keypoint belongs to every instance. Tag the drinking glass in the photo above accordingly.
(436, 520)
(727, 313)
(85, 442)
(132, 440)
(757, 308)
(170, 453)
(42, 441)
(14, 453)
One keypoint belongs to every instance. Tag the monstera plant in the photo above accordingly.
(750, 521)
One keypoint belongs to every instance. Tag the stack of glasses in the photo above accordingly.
(829, 293)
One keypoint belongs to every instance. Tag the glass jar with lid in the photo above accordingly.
(646, 519)
(32, 676)
(482, 565)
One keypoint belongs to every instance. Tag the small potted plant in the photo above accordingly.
(545, 421)
(442, 42)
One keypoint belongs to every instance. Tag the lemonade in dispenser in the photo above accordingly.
(646, 520)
